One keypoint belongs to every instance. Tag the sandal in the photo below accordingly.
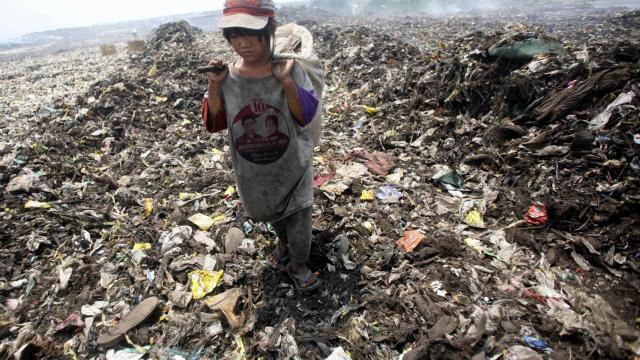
(115, 334)
(309, 282)
(277, 258)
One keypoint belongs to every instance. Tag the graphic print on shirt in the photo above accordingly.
(260, 132)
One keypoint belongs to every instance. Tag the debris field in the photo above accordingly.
(476, 196)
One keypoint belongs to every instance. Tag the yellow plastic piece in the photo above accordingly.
(203, 282)
(202, 221)
(474, 218)
(142, 246)
(371, 110)
(367, 195)
(32, 204)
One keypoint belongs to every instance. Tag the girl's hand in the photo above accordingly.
(281, 69)
(217, 77)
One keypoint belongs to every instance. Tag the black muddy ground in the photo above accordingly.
(408, 87)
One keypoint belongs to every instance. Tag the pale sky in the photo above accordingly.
(19, 17)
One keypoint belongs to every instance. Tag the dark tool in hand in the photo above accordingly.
(211, 68)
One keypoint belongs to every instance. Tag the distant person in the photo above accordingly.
(275, 186)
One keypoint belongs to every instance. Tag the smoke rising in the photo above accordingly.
(442, 7)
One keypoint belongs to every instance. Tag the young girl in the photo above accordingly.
(273, 169)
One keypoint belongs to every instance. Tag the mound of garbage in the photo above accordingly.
(178, 33)
(477, 190)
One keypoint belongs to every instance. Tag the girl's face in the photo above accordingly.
(251, 48)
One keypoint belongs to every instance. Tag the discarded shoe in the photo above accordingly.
(133, 318)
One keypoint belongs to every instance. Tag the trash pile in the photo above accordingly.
(476, 197)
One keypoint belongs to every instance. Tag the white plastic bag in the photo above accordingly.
(296, 42)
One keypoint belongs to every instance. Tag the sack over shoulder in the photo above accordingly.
(296, 42)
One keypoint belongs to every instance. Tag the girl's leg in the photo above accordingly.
(281, 252)
(299, 236)
(298, 233)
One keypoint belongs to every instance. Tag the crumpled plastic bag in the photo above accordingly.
(350, 172)
(280, 339)
(124, 354)
(474, 218)
(388, 194)
(203, 282)
(180, 296)
(601, 120)
(341, 244)
(338, 354)
(519, 352)
(174, 238)
(447, 177)
(24, 182)
(508, 253)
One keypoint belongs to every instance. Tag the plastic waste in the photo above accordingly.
(94, 309)
(438, 288)
(73, 323)
(537, 344)
(203, 282)
(525, 50)
(124, 354)
(202, 237)
(367, 195)
(231, 190)
(180, 296)
(247, 227)
(64, 274)
(338, 354)
(114, 334)
(388, 194)
(476, 245)
(175, 237)
(448, 178)
(153, 71)
(350, 172)
(537, 214)
(34, 242)
(474, 218)
(148, 207)
(410, 240)
(519, 352)
(320, 180)
(24, 182)
(341, 244)
(371, 110)
(602, 119)
(142, 246)
(395, 178)
(32, 204)
(185, 196)
(203, 222)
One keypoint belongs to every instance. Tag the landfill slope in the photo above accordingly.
(476, 196)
